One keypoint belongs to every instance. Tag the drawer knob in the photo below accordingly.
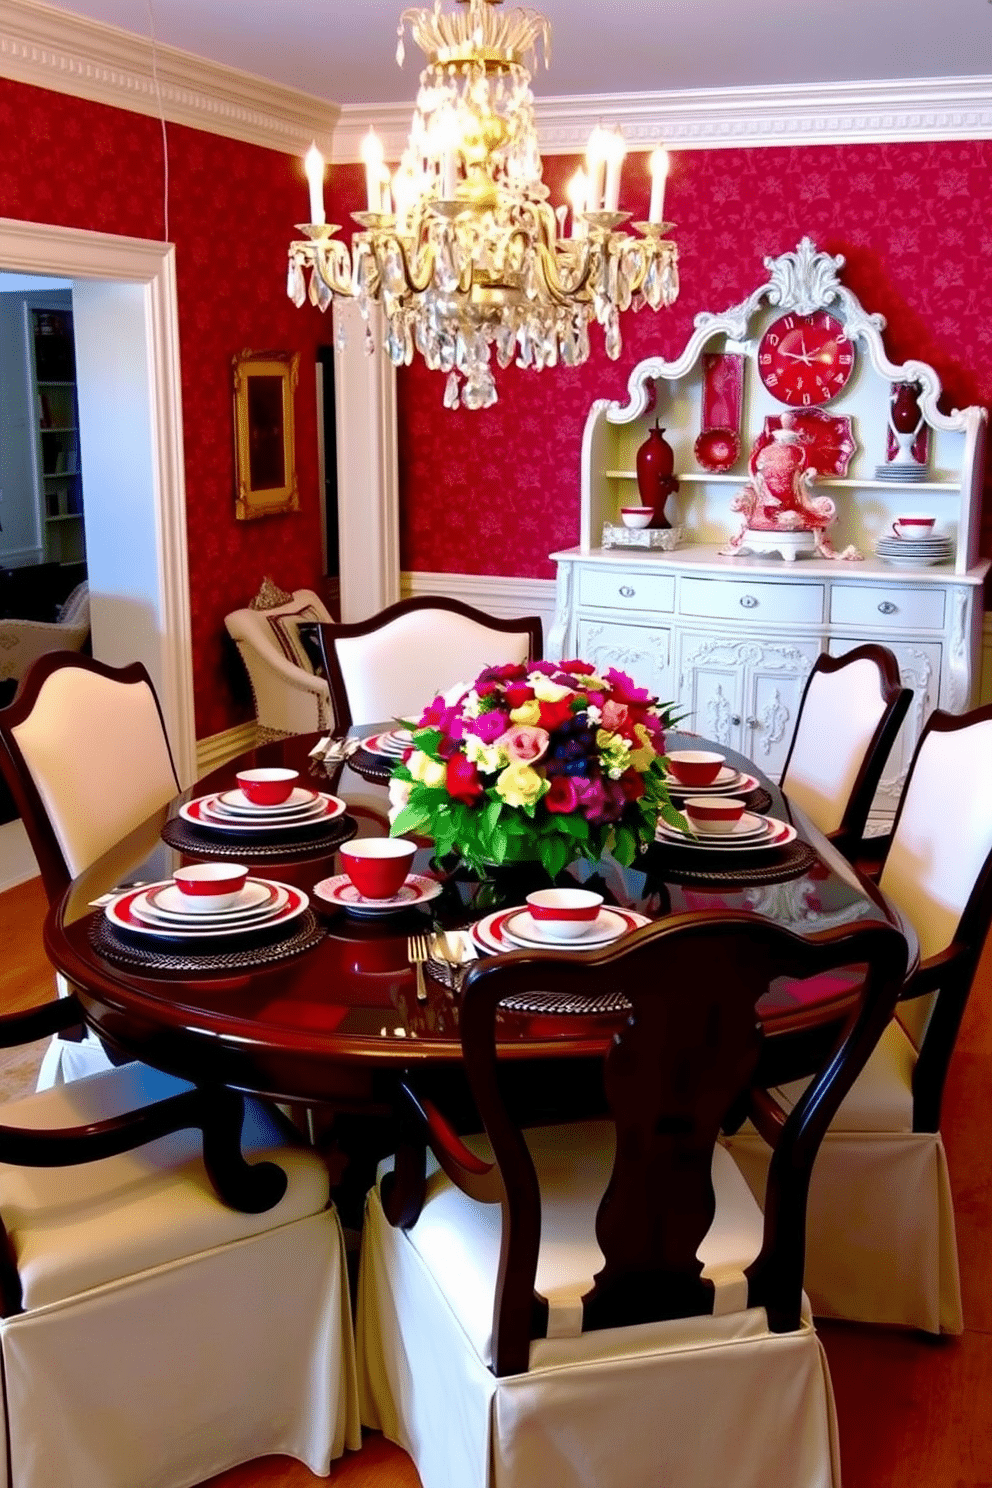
(736, 720)
(749, 602)
(627, 591)
(887, 607)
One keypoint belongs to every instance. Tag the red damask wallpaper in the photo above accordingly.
(231, 211)
(495, 492)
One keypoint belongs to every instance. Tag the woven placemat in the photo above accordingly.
(673, 865)
(181, 834)
(375, 767)
(307, 933)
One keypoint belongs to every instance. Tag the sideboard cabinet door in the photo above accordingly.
(745, 694)
(643, 651)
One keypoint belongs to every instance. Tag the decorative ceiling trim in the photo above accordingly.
(727, 118)
(55, 49)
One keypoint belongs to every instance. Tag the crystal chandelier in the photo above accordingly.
(461, 246)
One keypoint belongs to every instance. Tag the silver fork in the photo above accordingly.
(416, 952)
(452, 949)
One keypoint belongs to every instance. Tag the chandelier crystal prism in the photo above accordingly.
(461, 247)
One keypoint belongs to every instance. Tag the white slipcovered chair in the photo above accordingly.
(290, 695)
(851, 711)
(881, 1244)
(601, 1305)
(152, 1335)
(393, 664)
(84, 750)
(23, 641)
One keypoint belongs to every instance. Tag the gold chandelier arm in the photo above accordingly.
(559, 291)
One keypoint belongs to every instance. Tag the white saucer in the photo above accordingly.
(780, 834)
(203, 813)
(170, 903)
(121, 914)
(522, 929)
(749, 828)
(342, 894)
(298, 799)
(740, 785)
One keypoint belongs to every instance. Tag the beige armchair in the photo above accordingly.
(290, 696)
(23, 641)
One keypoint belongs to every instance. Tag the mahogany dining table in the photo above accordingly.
(340, 1024)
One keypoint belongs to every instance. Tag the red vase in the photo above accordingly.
(655, 481)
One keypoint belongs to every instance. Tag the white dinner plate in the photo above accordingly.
(490, 935)
(213, 808)
(780, 835)
(165, 904)
(749, 827)
(524, 930)
(120, 913)
(393, 744)
(299, 799)
(199, 812)
(740, 785)
(342, 894)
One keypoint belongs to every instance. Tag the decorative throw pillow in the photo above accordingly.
(310, 641)
(286, 629)
(269, 596)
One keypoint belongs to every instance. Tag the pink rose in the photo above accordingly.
(615, 715)
(524, 743)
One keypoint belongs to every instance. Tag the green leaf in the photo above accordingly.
(491, 814)
(555, 853)
(625, 846)
(409, 820)
(429, 741)
(500, 844)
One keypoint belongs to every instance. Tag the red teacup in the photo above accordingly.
(713, 815)
(267, 787)
(695, 766)
(913, 527)
(378, 866)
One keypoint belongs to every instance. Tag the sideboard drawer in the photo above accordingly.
(737, 599)
(898, 609)
(626, 590)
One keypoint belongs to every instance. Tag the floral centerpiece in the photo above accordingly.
(544, 761)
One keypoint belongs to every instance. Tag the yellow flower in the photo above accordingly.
(519, 785)
(528, 713)
(641, 758)
(546, 690)
(428, 771)
(488, 757)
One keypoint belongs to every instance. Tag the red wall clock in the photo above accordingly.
(805, 359)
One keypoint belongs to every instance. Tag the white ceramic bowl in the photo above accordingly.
(207, 887)
(713, 816)
(564, 913)
(637, 516)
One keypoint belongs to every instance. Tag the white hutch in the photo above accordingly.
(732, 638)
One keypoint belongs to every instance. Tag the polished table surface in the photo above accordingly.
(340, 1022)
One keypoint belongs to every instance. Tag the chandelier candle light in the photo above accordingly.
(461, 247)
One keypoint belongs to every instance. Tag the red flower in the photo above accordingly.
(562, 796)
(462, 780)
(518, 694)
(624, 689)
(632, 785)
(555, 714)
(578, 668)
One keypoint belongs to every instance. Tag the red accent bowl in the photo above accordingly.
(210, 886)
(378, 866)
(713, 816)
(565, 912)
(267, 787)
(695, 766)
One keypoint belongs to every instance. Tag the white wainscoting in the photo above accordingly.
(497, 595)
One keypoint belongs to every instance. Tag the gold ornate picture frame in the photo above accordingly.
(265, 433)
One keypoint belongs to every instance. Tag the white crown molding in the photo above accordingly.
(55, 49)
(724, 118)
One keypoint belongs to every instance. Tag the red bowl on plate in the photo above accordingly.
(564, 912)
(209, 886)
(378, 866)
(267, 787)
(713, 816)
(695, 766)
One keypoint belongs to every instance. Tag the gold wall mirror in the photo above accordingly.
(265, 433)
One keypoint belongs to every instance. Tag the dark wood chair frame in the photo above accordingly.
(55, 873)
(849, 836)
(678, 1070)
(218, 1113)
(331, 631)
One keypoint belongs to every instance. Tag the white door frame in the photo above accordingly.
(71, 253)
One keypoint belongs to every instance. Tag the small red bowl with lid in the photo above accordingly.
(713, 815)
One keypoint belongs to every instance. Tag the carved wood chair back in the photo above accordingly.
(851, 711)
(393, 664)
(679, 1069)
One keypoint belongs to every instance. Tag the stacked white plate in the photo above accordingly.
(231, 811)
(516, 929)
(728, 783)
(751, 834)
(160, 911)
(917, 552)
(910, 474)
(393, 743)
